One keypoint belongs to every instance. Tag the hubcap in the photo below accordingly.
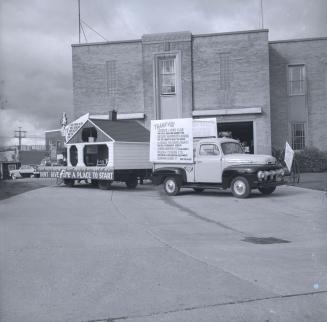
(239, 187)
(170, 186)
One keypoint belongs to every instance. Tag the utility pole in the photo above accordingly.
(79, 21)
(20, 135)
(261, 14)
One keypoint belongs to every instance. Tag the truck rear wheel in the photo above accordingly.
(240, 187)
(267, 190)
(172, 186)
(104, 184)
(131, 182)
(69, 182)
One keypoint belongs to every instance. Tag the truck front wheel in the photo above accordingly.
(267, 190)
(240, 187)
(172, 186)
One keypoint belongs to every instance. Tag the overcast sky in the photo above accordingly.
(36, 38)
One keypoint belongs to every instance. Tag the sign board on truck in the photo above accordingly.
(289, 155)
(205, 128)
(171, 141)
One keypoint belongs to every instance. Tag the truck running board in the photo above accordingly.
(203, 186)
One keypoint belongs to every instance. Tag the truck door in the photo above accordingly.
(208, 164)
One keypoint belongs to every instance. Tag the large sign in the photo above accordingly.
(205, 128)
(171, 141)
(76, 173)
(289, 155)
(74, 126)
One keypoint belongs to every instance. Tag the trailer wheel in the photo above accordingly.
(104, 184)
(69, 182)
(131, 181)
(172, 186)
(240, 187)
(267, 190)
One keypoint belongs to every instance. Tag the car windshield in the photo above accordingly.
(231, 148)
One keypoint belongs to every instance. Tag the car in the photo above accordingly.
(25, 171)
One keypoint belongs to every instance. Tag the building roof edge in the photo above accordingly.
(297, 40)
(231, 33)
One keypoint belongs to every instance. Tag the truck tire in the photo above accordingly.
(104, 184)
(198, 190)
(131, 182)
(240, 187)
(267, 190)
(69, 182)
(172, 186)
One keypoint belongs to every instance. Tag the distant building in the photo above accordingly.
(264, 93)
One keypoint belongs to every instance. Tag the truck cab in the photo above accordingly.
(221, 163)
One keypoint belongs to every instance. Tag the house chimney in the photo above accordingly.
(113, 115)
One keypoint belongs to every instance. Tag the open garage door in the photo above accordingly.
(242, 131)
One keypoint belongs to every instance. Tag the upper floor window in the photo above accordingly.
(298, 136)
(167, 74)
(296, 80)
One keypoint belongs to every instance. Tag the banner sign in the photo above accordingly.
(73, 127)
(98, 173)
(289, 155)
(205, 128)
(171, 141)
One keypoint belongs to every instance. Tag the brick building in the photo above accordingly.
(263, 92)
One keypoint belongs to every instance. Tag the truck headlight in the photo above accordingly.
(260, 175)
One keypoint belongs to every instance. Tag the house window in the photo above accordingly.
(73, 155)
(298, 136)
(95, 155)
(296, 80)
(167, 76)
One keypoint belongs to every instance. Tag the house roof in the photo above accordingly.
(124, 131)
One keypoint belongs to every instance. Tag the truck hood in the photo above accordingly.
(259, 159)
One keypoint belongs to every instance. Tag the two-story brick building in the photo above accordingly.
(263, 92)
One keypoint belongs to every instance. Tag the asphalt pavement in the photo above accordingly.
(84, 254)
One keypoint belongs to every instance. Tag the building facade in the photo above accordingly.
(256, 89)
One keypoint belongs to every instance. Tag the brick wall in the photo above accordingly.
(313, 54)
(232, 71)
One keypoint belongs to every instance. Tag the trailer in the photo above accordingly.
(104, 150)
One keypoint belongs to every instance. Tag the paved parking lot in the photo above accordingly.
(83, 254)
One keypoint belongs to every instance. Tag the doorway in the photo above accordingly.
(242, 131)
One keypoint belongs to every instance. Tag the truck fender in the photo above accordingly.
(231, 172)
(159, 175)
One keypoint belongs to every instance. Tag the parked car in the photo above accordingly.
(25, 171)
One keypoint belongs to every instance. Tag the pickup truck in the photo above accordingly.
(221, 163)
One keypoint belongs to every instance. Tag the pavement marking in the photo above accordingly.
(192, 308)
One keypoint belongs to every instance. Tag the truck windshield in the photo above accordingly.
(231, 148)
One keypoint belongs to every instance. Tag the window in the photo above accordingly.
(111, 77)
(231, 148)
(96, 155)
(298, 136)
(209, 149)
(296, 80)
(73, 155)
(89, 134)
(167, 76)
(224, 59)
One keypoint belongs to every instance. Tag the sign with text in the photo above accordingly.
(81, 173)
(74, 126)
(289, 155)
(171, 141)
(205, 128)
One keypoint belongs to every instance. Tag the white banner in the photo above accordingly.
(289, 155)
(171, 141)
(205, 128)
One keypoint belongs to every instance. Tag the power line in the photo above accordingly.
(93, 30)
(20, 134)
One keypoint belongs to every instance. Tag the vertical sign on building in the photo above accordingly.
(171, 141)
